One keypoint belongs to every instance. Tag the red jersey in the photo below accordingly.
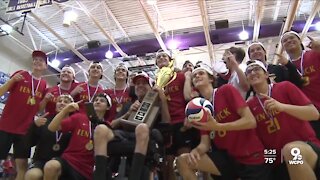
(311, 74)
(56, 91)
(76, 154)
(243, 145)
(176, 100)
(20, 109)
(119, 98)
(283, 128)
(87, 95)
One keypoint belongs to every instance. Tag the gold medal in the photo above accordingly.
(32, 101)
(119, 107)
(89, 145)
(56, 147)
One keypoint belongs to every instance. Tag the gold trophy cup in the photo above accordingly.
(149, 107)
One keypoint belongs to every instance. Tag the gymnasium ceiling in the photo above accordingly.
(116, 23)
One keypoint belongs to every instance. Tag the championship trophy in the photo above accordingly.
(149, 107)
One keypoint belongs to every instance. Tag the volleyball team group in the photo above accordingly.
(265, 118)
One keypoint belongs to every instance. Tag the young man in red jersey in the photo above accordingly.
(106, 139)
(287, 71)
(178, 91)
(282, 113)
(120, 92)
(26, 91)
(308, 66)
(86, 91)
(77, 161)
(47, 144)
(65, 86)
(237, 152)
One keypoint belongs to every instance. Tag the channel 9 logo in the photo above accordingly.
(297, 157)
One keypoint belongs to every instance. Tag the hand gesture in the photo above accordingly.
(282, 60)
(135, 106)
(160, 91)
(41, 120)
(271, 104)
(209, 125)
(230, 59)
(115, 123)
(78, 89)
(194, 157)
(72, 107)
(17, 77)
(314, 45)
(49, 96)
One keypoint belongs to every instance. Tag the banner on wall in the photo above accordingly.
(24, 5)
(3, 79)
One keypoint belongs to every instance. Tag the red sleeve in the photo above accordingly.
(295, 95)
(14, 85)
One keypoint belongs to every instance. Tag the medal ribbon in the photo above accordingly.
(117, 99)
(301, 72)
(58, 136)
(91, 98)
(33, 91)
(264, 109)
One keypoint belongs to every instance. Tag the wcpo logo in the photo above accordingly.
(297, 157)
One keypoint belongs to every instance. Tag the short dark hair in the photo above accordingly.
(239, 53)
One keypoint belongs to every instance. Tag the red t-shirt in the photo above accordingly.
(311, 73)
(76, 153)
(56, 92)
(284, 128)
(243, 145)
(18, 113)
(84, 95)
(175, 97)
(117, 97)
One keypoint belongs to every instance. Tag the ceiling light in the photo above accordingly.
(173, 44)
(109, 54)
(317, 25)
(152, 2)
(7, 28)
(243, 35)
(68, 17)
(55, 63)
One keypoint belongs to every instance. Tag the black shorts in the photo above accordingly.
(180, 139)
(316, 127)
(231, 170)
(123, 143)
(21, 148)
(67, 171)
(38, 164)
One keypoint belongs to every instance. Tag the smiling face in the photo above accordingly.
(95, 71)
(62, 102)
(162, 60)
(201, 78)
(121, 73)
(256, 75)
(291, 42)
(141, 87)
(39, 63)
(66, 75)
(257, 52)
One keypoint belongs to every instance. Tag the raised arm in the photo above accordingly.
(55, 124)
